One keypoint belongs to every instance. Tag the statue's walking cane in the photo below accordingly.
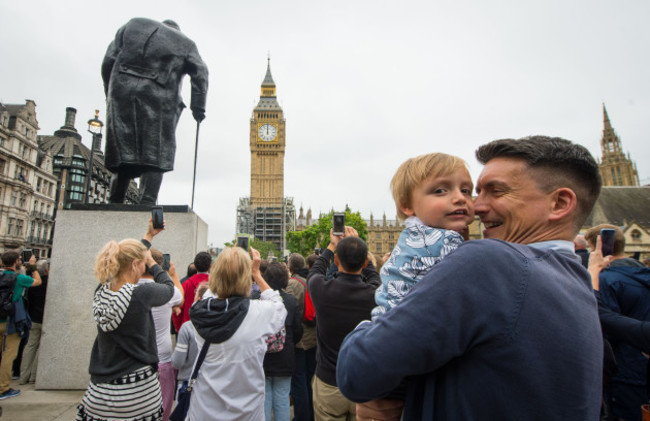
(196, 151)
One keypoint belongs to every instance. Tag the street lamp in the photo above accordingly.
(95, 126)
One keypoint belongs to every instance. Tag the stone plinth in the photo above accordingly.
(69, 329)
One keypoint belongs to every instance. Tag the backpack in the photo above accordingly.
(7, 285)
(309, 317)
(275, 342)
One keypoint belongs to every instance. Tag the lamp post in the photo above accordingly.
(95, 126)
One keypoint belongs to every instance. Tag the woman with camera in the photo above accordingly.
(124, 359)
(230, 383)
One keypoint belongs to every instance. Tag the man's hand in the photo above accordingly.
(380, 409)
(199, 115)
(172, 270)
(32, 260)
(334, 239)
(151, 231)
(597, 263)
(257, 260)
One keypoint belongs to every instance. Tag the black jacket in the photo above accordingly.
(282, 364)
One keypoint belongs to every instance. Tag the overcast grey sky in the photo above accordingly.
(364, 84)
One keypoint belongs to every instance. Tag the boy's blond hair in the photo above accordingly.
(415, 170)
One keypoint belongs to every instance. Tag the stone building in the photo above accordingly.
(27, 182)
(616, 169)
(71, 158)
(266, 213)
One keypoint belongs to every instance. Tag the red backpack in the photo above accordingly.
(309, 317)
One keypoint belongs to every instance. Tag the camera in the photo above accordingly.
(166, 261)
(338, 223)
(242, 241)
(157, 217)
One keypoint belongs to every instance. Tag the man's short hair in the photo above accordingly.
(352, 253)
(619, 238)
(554, 163)
(42, 266)
(191, 270)
(296, 262)
(263, 265)
(415, 170)
(276, 275)
(311, 259)
(9, 258)
(157, 256)
(202, 261)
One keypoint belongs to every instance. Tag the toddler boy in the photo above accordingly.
(433, 193)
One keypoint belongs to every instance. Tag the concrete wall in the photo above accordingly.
(69, 329)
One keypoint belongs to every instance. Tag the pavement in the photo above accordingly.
(40, 405)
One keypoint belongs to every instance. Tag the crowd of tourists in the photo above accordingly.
(523, 324)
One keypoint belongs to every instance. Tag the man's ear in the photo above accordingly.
(365, 265)
(564, 202)
(337, 262)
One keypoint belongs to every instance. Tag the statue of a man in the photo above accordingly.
(142, 71)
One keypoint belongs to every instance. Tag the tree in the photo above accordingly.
(264, 247)
(318, 235)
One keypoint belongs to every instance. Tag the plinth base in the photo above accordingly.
(69, 329)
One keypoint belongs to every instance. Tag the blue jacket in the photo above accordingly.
(496, 331)
(625, 289)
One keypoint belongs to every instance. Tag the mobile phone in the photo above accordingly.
(338, 223)
(242, 241)
(166, 260)
(607, 241)
(26, 255)
(157, 217)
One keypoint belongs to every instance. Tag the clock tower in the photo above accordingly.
(267, 215)
(267, 143)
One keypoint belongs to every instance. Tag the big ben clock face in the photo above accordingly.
(267, 132)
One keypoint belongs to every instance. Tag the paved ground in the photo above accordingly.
(40, 405)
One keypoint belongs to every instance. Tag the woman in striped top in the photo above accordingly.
(123, 363)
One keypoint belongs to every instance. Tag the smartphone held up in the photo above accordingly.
(157, 217)
(338, 223)
(607, 241)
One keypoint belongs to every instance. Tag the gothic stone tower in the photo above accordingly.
(267, 142)
(267, 214)
(615, 168)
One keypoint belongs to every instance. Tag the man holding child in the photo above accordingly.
(502, 328)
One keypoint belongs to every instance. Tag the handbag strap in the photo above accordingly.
(197, 366)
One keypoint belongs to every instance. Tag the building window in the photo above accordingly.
(19, 227)
(22, 203)
(77, 176)
(3, 164)
(14, 198)
(10, 225)
(636, 235)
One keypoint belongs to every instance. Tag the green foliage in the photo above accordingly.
(264, 247)
(318, 235)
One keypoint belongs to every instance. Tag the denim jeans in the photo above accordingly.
(303, 407)
(276, 397)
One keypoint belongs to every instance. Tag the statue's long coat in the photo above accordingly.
(142, 71)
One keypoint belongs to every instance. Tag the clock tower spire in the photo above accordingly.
(616, 169)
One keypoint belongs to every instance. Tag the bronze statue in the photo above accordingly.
(142, 71)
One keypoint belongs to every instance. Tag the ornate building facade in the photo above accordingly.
(71, 158)
(266, 213)
(27, 183)
(616, 169)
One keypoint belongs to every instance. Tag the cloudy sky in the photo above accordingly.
(364, 84)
